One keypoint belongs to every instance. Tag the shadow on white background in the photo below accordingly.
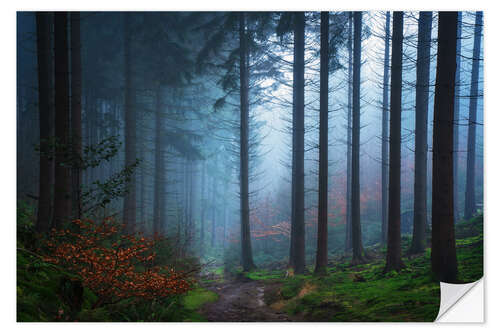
(462, 303)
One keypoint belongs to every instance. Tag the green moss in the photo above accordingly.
(364, 293)
(468, 228)
(218, 271)
(291, 287)
(194, 299)
(262, 274)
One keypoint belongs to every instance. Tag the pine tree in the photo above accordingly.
(129, 202)
(159, 215)
(43, 57)
(246, 245)
(322, 238)
(385, 129)
(357, 245)
(393, 260)
(298, 240)
(456, 116)
(470, 190)
(348, 220)
(62, 185)
(443, 251)
(421, 114)
(76, 112)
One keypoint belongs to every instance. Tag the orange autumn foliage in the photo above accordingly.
(112, 265)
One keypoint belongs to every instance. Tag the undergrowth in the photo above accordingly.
(46, 292)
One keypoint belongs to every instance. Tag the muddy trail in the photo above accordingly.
(241, 301)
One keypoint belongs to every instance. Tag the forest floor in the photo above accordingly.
(347, 293)
(241, 300)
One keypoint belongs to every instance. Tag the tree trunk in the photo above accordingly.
(293, 232)
(43, 57)
(322, 246)
(443, 252)
(159, 184)
(385, 129)
(470, 191)
(357, 245)
(141, 178)
(62, 186)
(185, 189)
(192, 208)
(214, 207)
(129, 202)
(393, 261)
(298, 261)
(456, 117)
(224, 212)
(52, 111)
(76, 112)
(202, 210)
(246, 245)
(142, 200)
(421, 115)
(348, 219)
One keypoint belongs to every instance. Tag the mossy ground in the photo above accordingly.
(364, 293)
(195, 299)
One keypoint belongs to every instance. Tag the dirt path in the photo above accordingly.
(241, 301)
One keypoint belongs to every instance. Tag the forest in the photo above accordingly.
(247, 166)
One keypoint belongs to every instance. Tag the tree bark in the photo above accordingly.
(322, 238)
(159, 185)
(348, 220)
(62, 185)
(246, 245)
(421, 115)
(443, 252)
(202, 210)
(76, 112)
(470, 190)
(393, 260)
(185, 189)
(43, 58)
(214, 209)
(129, 202)
(298, 261)
(385, 129)
(357, 244)
(52, 111)
(192, 206)
(189, 204)
(142, 194)
(224, 212)
(456, 117)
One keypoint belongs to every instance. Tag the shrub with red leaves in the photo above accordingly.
(113, 265)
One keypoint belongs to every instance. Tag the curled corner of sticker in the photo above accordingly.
(461, 303)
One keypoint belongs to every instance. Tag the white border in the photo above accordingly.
(8, 137)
